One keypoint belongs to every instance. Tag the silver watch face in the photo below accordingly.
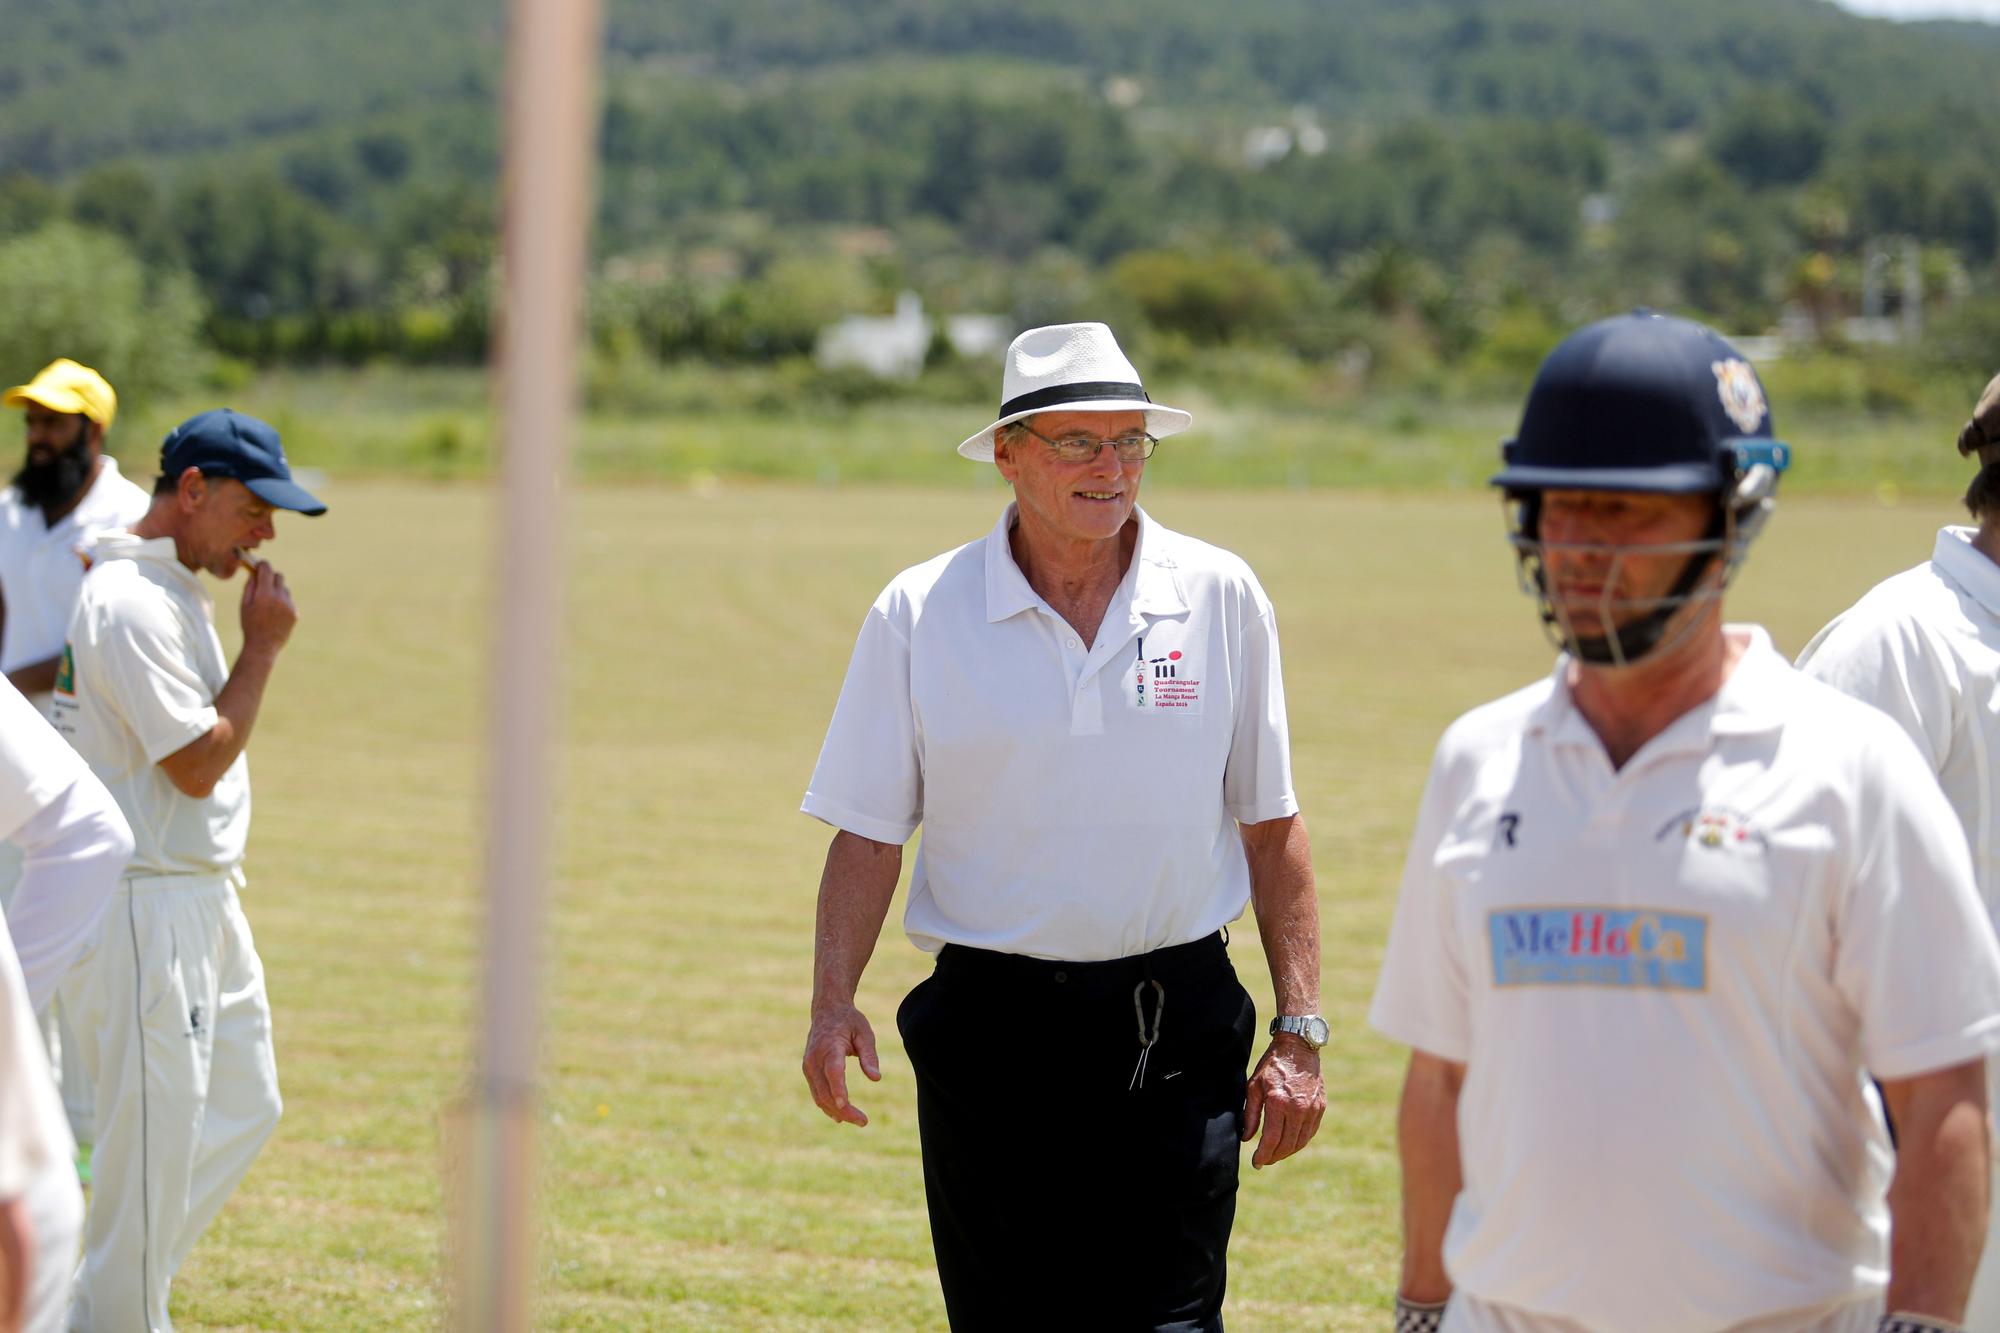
(1316, 1031)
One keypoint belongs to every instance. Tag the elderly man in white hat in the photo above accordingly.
(1084, 712)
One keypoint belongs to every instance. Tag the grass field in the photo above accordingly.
(689, 1183)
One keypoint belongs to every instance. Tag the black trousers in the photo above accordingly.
(1062, 1193)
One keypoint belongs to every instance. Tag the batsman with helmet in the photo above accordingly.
(1664, 914)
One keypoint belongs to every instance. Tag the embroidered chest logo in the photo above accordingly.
(66, 673)
(1636, 948)
(1164, 679)
(1718, 829)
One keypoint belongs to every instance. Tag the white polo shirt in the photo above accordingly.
(145, 666)
(40, 568)
(1924, 647)
(1078, 801)
(1668, 983)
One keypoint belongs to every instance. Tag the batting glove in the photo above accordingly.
(1417, 1317)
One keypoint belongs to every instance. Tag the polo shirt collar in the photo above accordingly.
(158, 552)
(1751, 701)
(1149, 584)
(1968, 566)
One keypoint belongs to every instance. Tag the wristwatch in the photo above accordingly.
(1310, 1028)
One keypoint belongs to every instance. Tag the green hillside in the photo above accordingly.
(1392, 187)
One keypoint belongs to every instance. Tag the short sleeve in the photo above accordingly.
(1257, 780)
(148, 674)
(1422, 996)
(1915, 953)
(1892, 666)
(36, 763)
(869, 779)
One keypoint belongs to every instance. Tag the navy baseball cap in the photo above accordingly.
(225, 443)
(1641, 402)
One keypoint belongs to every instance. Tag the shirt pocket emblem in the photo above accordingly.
(1163, 677)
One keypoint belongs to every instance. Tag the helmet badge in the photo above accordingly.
(1742, 397)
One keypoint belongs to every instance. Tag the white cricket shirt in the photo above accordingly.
(75, 842)
(41, 568)
(35, 765)
(1078, 801)
(1924, 647)
(145, 666)
(1666, 982)
(34, 1132)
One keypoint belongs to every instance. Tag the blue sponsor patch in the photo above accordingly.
(1599, 946)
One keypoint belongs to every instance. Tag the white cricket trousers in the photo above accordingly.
(168, 1005)
(1468, 1314)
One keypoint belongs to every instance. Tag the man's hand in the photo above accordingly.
(1285, 1098)
(835, 1035)
(268, 611)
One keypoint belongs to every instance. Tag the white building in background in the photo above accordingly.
(894, 346)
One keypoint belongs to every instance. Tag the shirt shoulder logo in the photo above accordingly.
(1632, 948)
(66, 673)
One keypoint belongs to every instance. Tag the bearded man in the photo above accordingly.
(67, 490)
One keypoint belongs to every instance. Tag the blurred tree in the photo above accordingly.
(25, 203)
(84, 294)
(1770, 136)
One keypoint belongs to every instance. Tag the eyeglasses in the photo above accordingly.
(1134, 448)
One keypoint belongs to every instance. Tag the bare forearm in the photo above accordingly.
(1938, 1199)
(1427, 1142)
(1287, 905)
(17, 1262)
(36, 677)
(855, 890)
(196, 767)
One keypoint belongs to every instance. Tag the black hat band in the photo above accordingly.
(1063, 394)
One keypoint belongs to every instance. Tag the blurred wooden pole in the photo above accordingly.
(550, 147)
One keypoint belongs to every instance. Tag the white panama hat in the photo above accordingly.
(1077, 368)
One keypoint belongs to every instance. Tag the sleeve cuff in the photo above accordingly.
(172, 742)
(1278, 807)
(893, 832)
(1909, 1061)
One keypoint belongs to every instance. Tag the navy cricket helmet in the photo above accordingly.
(1650, 403)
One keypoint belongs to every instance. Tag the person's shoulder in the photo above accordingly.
(124, 501)
(119, 586)
(1202, 568)
(1913, 614)
(1498, 723)
(1193, 554)
(960, 571)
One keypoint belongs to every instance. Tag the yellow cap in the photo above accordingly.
(65, 386)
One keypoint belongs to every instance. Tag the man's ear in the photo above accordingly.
(191, 489)
(94, 432)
